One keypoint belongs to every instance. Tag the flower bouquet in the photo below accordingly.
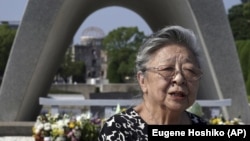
(65, 127)
(220, 120)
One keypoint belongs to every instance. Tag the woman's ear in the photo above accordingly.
(142, 81)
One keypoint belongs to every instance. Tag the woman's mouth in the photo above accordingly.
(178, 94)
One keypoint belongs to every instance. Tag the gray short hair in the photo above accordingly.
(166, 36)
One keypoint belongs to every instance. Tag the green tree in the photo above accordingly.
(239, 18)
(7, 36)
(245, 1)
(121, 46)
(69, 67)
(246, 11)
(79, 72)
(243, 48)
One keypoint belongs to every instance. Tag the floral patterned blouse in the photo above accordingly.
(129, 126)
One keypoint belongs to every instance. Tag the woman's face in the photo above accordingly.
(169, 80)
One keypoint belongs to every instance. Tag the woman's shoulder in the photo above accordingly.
(126, 115)
(128, 118)
(126, 125)
(195, 119)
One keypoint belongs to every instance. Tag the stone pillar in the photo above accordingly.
(46, 30)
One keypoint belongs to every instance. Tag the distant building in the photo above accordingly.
(11, 24)
(90, 51)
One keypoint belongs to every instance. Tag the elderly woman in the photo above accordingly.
(168, 73)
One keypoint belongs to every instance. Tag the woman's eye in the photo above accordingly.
(168, 69)
(190, 71)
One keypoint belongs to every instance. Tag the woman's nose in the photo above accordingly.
(178, 78)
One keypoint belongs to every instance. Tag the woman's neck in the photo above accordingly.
(161, 115)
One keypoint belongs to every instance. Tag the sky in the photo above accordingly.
(13, 10)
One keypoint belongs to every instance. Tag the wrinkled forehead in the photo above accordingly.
(173, 53)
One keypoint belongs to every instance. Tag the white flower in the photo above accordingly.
(47, 126)
(65, 116)
(60, 138)
(61, 123)
(38, 127)
(56, 115)
(39, 118)
(83, 116)
(221, 123)
(47, 139)
(77, 133)
(66, 121)
(54, 126)
(79, 118)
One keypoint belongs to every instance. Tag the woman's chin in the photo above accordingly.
(178, 106)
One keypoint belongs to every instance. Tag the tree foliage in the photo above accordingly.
(239, 18)
(69, 68)
(7, 36)
(243, 47)
(245, 1)
(246, 11)
(121, 46)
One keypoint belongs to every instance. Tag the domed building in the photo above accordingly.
(92, 35)
(91, 53)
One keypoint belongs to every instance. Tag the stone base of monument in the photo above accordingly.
(16, 131)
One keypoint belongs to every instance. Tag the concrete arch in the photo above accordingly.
(48, 27)
(131, 18)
